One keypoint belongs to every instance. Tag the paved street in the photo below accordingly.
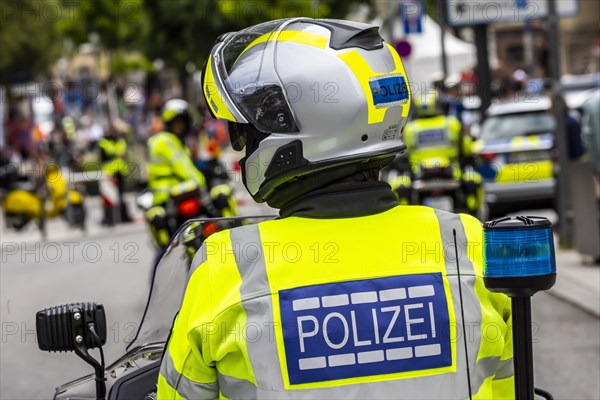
(112, 266)
(566, 349)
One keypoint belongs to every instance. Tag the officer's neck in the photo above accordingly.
(343, 200)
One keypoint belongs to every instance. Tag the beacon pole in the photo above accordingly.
(520, 261)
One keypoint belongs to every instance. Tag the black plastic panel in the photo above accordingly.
(344, 35)
(287, 157)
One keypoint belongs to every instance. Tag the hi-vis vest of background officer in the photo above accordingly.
(364, 307)
(114, 151)
(341, 308)
(435, 137)
(169, 165)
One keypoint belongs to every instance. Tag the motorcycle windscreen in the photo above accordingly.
(170, 275)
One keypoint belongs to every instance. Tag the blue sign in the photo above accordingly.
(412, 17)
(365, 328)
(521, 4)
(387, 90)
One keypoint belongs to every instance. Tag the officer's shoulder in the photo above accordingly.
(454, 120)
(472, 225)
(154, 138)
(249, 232)
(217, 237)
(160, 136)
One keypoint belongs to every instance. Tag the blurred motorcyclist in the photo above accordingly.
(217, 177)
(57, 190)
(113, 149)
(434, 139)
(170, 166)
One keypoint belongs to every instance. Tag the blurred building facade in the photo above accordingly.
(579, 43)
(579, 36)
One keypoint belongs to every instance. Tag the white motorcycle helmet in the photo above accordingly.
(312, 101)
(177, 109)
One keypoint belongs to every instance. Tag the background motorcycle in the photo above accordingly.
(28, 199)
(439, 184)
(184, 202)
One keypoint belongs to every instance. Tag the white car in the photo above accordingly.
(516, 153)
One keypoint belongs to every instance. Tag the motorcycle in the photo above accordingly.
(439, 184)
(183, 201)
(29, 200)
(81, 327)
(217, 180)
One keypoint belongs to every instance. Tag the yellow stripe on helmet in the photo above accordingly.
(400, 69)
(214, 99)
(308, 38)
(168, 115)
(363, 72)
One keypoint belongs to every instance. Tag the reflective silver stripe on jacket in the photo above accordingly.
(256, 300)
(234, 388)
(505, 369)
(186, 387)
(449, 225)
(198, 260)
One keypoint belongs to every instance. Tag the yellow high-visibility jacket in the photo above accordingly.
(113, 153)
(170, 164)
(435, 137)
(349, 308)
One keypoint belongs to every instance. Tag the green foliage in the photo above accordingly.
(122, 63)
(435, 9)
(185, 30)
(246, 13)
(32, 32)
(29, 40)
(117, 23)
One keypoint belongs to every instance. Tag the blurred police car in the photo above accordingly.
(578, 88)
(516, 155)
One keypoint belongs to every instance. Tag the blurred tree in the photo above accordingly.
(118, 23)
(117, 27)
(435, 9)
(133, 61)
(184, 31)
(29, 40)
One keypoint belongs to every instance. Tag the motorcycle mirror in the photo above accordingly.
(69, 326)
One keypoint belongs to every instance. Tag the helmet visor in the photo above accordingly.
(246, 65)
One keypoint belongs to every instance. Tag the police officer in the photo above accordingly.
(436, 140)
(346, 295)
(170, 166)
(113, 149)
